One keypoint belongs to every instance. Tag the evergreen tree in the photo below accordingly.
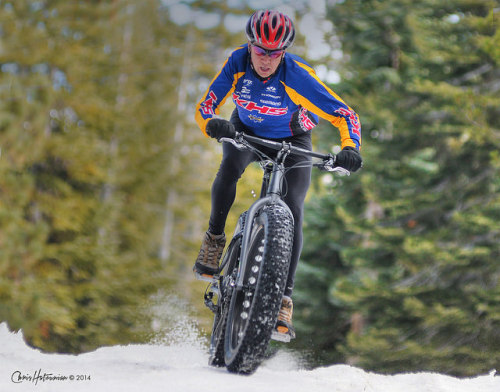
(63, 281)
(422, 218)
(96, 135)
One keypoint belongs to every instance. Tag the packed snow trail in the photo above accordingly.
(182, 367)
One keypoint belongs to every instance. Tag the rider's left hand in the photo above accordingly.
(350, 159)
(219, 127)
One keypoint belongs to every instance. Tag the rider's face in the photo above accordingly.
(265, 64)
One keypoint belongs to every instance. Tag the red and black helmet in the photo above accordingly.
(270, 29)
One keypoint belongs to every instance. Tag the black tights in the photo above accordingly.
(297, 180)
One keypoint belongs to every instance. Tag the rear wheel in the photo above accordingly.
(226, 284)
(253, 309)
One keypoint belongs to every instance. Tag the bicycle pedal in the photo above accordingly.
(281, 337)
(206, 277)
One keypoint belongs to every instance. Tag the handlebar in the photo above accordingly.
(242, 142)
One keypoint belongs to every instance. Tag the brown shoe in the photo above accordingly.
(207, 263)
(284, 324)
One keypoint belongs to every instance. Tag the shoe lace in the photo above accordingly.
(211, 250)
(285, 313)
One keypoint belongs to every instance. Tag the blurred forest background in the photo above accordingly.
(105, 178)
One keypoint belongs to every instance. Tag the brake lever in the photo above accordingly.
(237, 142)
(340, 171)
(329, 165)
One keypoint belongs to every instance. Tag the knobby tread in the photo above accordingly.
(278, 240)
(216, 358)
(217, 340)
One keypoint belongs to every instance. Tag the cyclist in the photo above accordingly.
(277, 96)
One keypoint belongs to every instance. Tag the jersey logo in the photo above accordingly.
(353, 119)
(207, 106)
(305, 122)
(255, 118)
(252, 106)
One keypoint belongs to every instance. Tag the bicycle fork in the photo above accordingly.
(270, 194)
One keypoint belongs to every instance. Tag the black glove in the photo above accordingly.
(218, 127)
(349, 158)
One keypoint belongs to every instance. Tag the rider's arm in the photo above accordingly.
(221, 87)
(307, 90)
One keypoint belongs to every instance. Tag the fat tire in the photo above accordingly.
(216, 357)
(228, 276)
(247, 338)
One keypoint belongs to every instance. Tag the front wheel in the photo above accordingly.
(253, 309)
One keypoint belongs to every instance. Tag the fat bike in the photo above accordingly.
(245, 294)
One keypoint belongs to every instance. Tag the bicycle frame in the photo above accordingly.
(274, 172)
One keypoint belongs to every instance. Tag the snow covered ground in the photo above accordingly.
(182, 367)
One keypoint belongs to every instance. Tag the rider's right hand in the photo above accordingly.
(219, 127)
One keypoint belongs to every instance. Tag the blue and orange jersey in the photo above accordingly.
(286, 104)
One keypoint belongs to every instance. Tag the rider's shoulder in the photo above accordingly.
(239, 56)
(241, 52)
(297, 63)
